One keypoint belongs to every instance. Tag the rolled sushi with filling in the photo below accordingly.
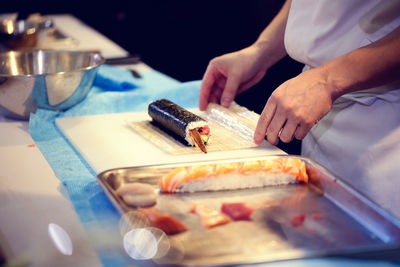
(180, 121)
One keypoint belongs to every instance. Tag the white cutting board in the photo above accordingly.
(107, 142)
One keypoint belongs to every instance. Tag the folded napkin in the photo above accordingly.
(110, 78)
(115, 79)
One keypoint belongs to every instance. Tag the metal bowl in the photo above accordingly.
(22, 34)
(49, 79)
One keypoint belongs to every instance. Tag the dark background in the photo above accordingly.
(179, 38)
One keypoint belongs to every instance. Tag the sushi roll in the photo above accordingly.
(193, 129)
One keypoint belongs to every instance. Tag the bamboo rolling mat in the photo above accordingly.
(231, 128)
(221, 139)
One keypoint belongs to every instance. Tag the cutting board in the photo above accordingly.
(108, 141)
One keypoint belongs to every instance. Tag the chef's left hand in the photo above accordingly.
(294, 107)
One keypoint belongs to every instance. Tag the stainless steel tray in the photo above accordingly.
(338, 219)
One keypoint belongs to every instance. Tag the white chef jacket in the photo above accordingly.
(359, 139)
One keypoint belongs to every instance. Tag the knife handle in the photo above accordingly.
(130, 59)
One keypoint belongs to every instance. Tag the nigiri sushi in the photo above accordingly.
(187, 125)
(234, 175)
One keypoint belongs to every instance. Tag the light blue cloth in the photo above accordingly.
(98, 216)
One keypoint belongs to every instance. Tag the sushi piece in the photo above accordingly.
(193, 129)
(165, 222)
(209, 217)
(235, 175)
(237, 211)
(137, 194)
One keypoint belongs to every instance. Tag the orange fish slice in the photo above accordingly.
(209, 217)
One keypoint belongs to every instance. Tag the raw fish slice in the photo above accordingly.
(237, 211)
(224, 168)
(163, 221)
(198, 171)
(169, 181)
(182, 175)
(251, 167)
(292, 167)
(209, 217)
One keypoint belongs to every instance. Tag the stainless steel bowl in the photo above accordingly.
(49, 79)
(21, 34)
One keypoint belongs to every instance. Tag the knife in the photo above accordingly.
(130, 59)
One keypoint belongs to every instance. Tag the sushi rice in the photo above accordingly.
(236, 181)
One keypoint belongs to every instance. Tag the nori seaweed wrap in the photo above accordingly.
(175, 118)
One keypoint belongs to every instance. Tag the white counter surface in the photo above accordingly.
(31, 199)
(31, 196)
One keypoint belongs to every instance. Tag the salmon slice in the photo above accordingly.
(168, 181)
(178, 176)
(272, 166)
(165, 222)
(293, 167)
(224, 168)
(199, 171)
(251, 167)
(209, 217)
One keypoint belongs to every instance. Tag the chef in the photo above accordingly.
(345, 105)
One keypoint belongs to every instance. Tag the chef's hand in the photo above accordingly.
(294, 107)
(231, 74)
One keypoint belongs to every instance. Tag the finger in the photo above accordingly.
(287, 133)
(264, 121)
(229, 93)
(218, 88)
(221, 82)
(205, 88)
(275, 127)
(302, 130)
(215, 94)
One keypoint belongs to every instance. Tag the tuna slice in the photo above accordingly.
(163, 221)
(237, 211)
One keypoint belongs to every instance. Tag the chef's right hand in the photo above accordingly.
(229, 75)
